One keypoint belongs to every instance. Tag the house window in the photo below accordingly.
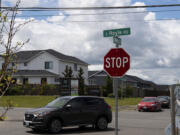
(25, 64)
(57, 79)
(48, 65)
(75, 67)
(43, 80)
(13, 64)
(91, 82)
(25, 80)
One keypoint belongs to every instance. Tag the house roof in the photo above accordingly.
(25, 56)
(90, 73)
(125, 77)
(96, 73)
(34, 73)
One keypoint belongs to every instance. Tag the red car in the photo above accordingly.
(149, 104)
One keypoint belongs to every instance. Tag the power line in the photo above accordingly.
(105, 21)
(112, 13)
(90, 8)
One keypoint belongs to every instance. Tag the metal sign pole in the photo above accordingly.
(173, 121)
(115, 72)
(115, 87)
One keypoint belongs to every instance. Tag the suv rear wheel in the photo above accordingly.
(101, 123)
(55, 126)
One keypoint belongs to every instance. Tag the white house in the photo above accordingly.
(39, 66)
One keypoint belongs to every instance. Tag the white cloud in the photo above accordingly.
(87, 3)
(95, 67)
(163, 62)
(150, 16)
(25, 3)
(139, 4)
(59, 18)
(153, 46)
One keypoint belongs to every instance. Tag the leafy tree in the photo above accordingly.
(81, 81)
(108, 86)
(8, 29)
(68, 73)
(129, 91)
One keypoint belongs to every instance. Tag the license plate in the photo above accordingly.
(27, 123)
(145, 107)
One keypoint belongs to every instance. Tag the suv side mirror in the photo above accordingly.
(68, 106)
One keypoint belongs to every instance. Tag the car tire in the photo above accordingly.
(158, 110)
(55, 126)
(36, 129)
(101, 123)
(140, 110)
(82, 127)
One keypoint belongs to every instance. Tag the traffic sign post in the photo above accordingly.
(117, 32)
(115, 91)
(116, 63)
(117, 41)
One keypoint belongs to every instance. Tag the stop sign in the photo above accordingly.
(116, 62)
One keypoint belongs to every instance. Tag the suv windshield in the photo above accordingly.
(162, 98)
(58, 103)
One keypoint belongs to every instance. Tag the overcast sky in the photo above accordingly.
(154, 46)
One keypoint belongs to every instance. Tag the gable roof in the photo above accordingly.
(25, 56)
(96, 73)
(90, 73)
(130, 78)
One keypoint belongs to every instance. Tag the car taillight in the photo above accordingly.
(109, 106)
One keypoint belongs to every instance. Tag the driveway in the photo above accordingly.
(130, 123)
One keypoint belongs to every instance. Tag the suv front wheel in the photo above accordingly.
(101, 123)
(55, 126)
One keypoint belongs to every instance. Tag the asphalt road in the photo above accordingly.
(130, 123)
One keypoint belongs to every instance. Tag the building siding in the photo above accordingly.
(38, 63)
(62, 66)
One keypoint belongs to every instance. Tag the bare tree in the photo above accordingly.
(8, 29)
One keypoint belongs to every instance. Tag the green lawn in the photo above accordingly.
(123, 102)
(39, 101)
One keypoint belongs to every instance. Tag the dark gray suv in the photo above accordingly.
(70, 111)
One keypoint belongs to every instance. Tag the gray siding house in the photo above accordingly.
(141, 87)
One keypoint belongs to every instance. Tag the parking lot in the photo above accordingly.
(130, 122)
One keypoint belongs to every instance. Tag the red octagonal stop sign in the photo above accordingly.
(116, 62)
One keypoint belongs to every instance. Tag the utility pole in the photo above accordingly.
(116, 71)
(0, 4)
(173, 120)
(115, 88)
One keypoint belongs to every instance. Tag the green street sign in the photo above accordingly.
(117, 40)
(116, 32)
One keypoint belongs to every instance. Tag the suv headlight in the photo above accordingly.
(40, 114)
(37, 114)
